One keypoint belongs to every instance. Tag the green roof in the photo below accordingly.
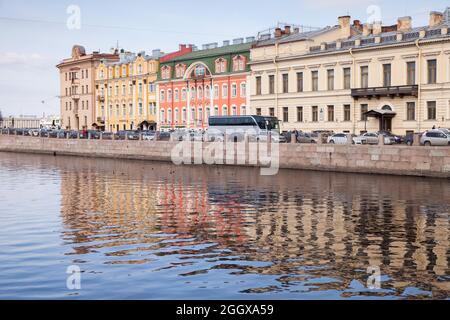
(213, 52)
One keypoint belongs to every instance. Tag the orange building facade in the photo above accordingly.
(203, 83)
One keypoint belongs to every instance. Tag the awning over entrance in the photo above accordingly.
(147, 125)
(384, 115)
(378, 113)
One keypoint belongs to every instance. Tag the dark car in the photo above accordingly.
(127, 135)
(164, 136)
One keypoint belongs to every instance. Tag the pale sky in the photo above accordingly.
(34, 35)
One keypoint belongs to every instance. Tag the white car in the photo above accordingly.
(339, 138)
(372, 138)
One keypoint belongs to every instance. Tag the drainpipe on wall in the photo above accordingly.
(353, 85)
(419, 82)
(276, 78)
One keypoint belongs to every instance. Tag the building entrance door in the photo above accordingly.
(385, 124)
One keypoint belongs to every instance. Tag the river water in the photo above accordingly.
(142, 230)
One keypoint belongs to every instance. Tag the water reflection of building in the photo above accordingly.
(303, 224)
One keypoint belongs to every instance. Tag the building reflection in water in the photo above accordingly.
(321, 230)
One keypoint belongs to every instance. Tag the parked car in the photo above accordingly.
(149, 135)
(107, 135)
(128, 135)
(446, 131)
(373, 138)
(435, 138)
(303, 137)
(164, 136)
(339, 138)
(396, 138)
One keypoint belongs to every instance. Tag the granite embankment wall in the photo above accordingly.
(397, 160)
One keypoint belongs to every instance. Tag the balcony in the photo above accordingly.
(75, 97)
(392, 91)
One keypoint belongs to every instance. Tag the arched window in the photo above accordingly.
(163, 116)
(239, 63)
(183, 94)
(200, 93)
(169, 115)
(176, 115)
(224, 110)
(243, 110)
(169, 95)
(225, 91)
(162, 96)
(192, 93)
(221, 65)
(176, 95)
(208, 92)
(243, 89)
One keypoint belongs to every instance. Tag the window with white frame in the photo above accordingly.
(163, 116)
(117, 109)
(208, 112)
(165, 72)
(124, 71)
(116, 91)
(130, 105)
(200, 115)
(221, 65)
(225, 91)
(192, 93)
(169, 116)
(140, 88)
(130, 87)
(169, 95)
(176, 115)
(183, 94)
(224, 110)
(176, 94)
(124, 109)
(200, 93)
(162, 96)
(216, 111)
(208, 92)
(234, 111)
(216, 92)
(151, 87)
(183, 115)
(124, 89)
(243, 89)
(192, 115)
(140, 108)
(244, 110)
(140, 69)
(239, 63)
(234, 90)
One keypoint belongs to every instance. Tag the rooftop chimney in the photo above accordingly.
(156, 53)
(367, 29)
(249, 39)
(238, 41)
(278, 32)
(357, 25)
(404, 24)
(182, 47)
(436, 18)
(226, 43)
(377, 28)
(287, 30)
(344, 24)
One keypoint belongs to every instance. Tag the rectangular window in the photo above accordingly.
(258, 111)
(364, 77)
(272, 112)
(315, 113)
(299, 114)
(411, 73)
(285, 83)
(258, 86)
(271, 84)
(299, 81)
(432, 71)
(387, 75)
(330, 76)
(330, 113)
(216, 92)
(243, 89)
(347, 112)
(411, 111)
(347, 78)
(364, 109)
(234, 90)
(225, 91)
(431, 110)
(285, 114)
(315, 80)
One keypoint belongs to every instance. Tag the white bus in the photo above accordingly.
(235, 127)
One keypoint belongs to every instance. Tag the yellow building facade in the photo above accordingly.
(126, 92)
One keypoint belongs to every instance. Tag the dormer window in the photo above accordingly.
(179, 71)
(239, 63)
(165, 72)
(221, 65)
